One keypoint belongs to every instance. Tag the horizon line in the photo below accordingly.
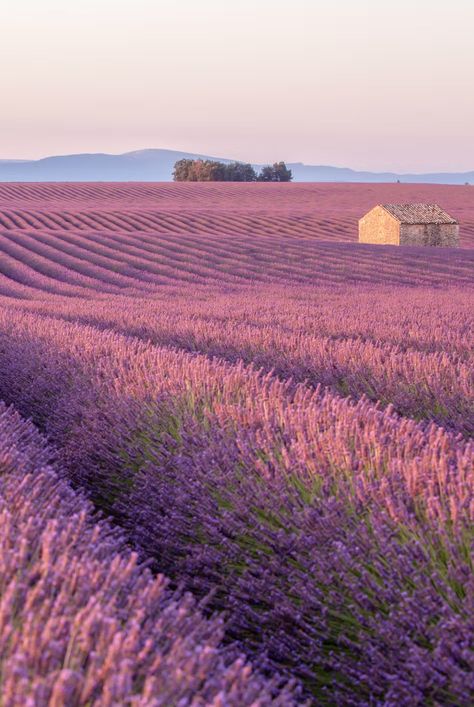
(200, 154)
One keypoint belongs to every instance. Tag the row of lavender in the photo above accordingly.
(412, 348)
(336, 535)
(84, 264)
(80, 621)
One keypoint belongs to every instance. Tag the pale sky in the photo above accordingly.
(376, 84)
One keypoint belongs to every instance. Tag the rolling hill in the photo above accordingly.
(156, 165)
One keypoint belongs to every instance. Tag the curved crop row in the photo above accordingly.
(337, 536)
(81, 622)
(202, 224)
(413, 352)
(145, 261)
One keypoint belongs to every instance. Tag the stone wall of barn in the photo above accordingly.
(378, 226)
(430, 234)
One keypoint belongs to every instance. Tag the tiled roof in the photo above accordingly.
(418, 213)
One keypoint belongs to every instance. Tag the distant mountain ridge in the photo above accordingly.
(156, 165)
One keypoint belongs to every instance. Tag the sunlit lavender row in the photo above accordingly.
(411, 348)
(336, 535)
(81, 623)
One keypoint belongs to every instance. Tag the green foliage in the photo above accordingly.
(182, 170)
(240, 172)
(278, 172)
(199, 171)
(213, 171)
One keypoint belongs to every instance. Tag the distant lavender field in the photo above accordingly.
(275, 418)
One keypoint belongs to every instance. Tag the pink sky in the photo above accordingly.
(376, 84)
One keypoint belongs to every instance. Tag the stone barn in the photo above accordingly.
(409, 224)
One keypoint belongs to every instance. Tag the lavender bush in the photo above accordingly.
(336, 535)
(412, 350)
(81, 623)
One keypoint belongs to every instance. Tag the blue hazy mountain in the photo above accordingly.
(157, 166)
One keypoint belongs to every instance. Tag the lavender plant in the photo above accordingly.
(412, 350)
(81, 623)
(336, 535)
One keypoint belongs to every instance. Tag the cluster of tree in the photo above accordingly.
(276, 172)
(213, 171)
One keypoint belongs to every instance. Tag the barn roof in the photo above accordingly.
(418, 213)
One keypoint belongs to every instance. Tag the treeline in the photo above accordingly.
(212, 171)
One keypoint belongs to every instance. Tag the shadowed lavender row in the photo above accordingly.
(335, 534)
(80, 622)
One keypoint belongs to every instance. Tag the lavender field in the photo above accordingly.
(236, 449)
